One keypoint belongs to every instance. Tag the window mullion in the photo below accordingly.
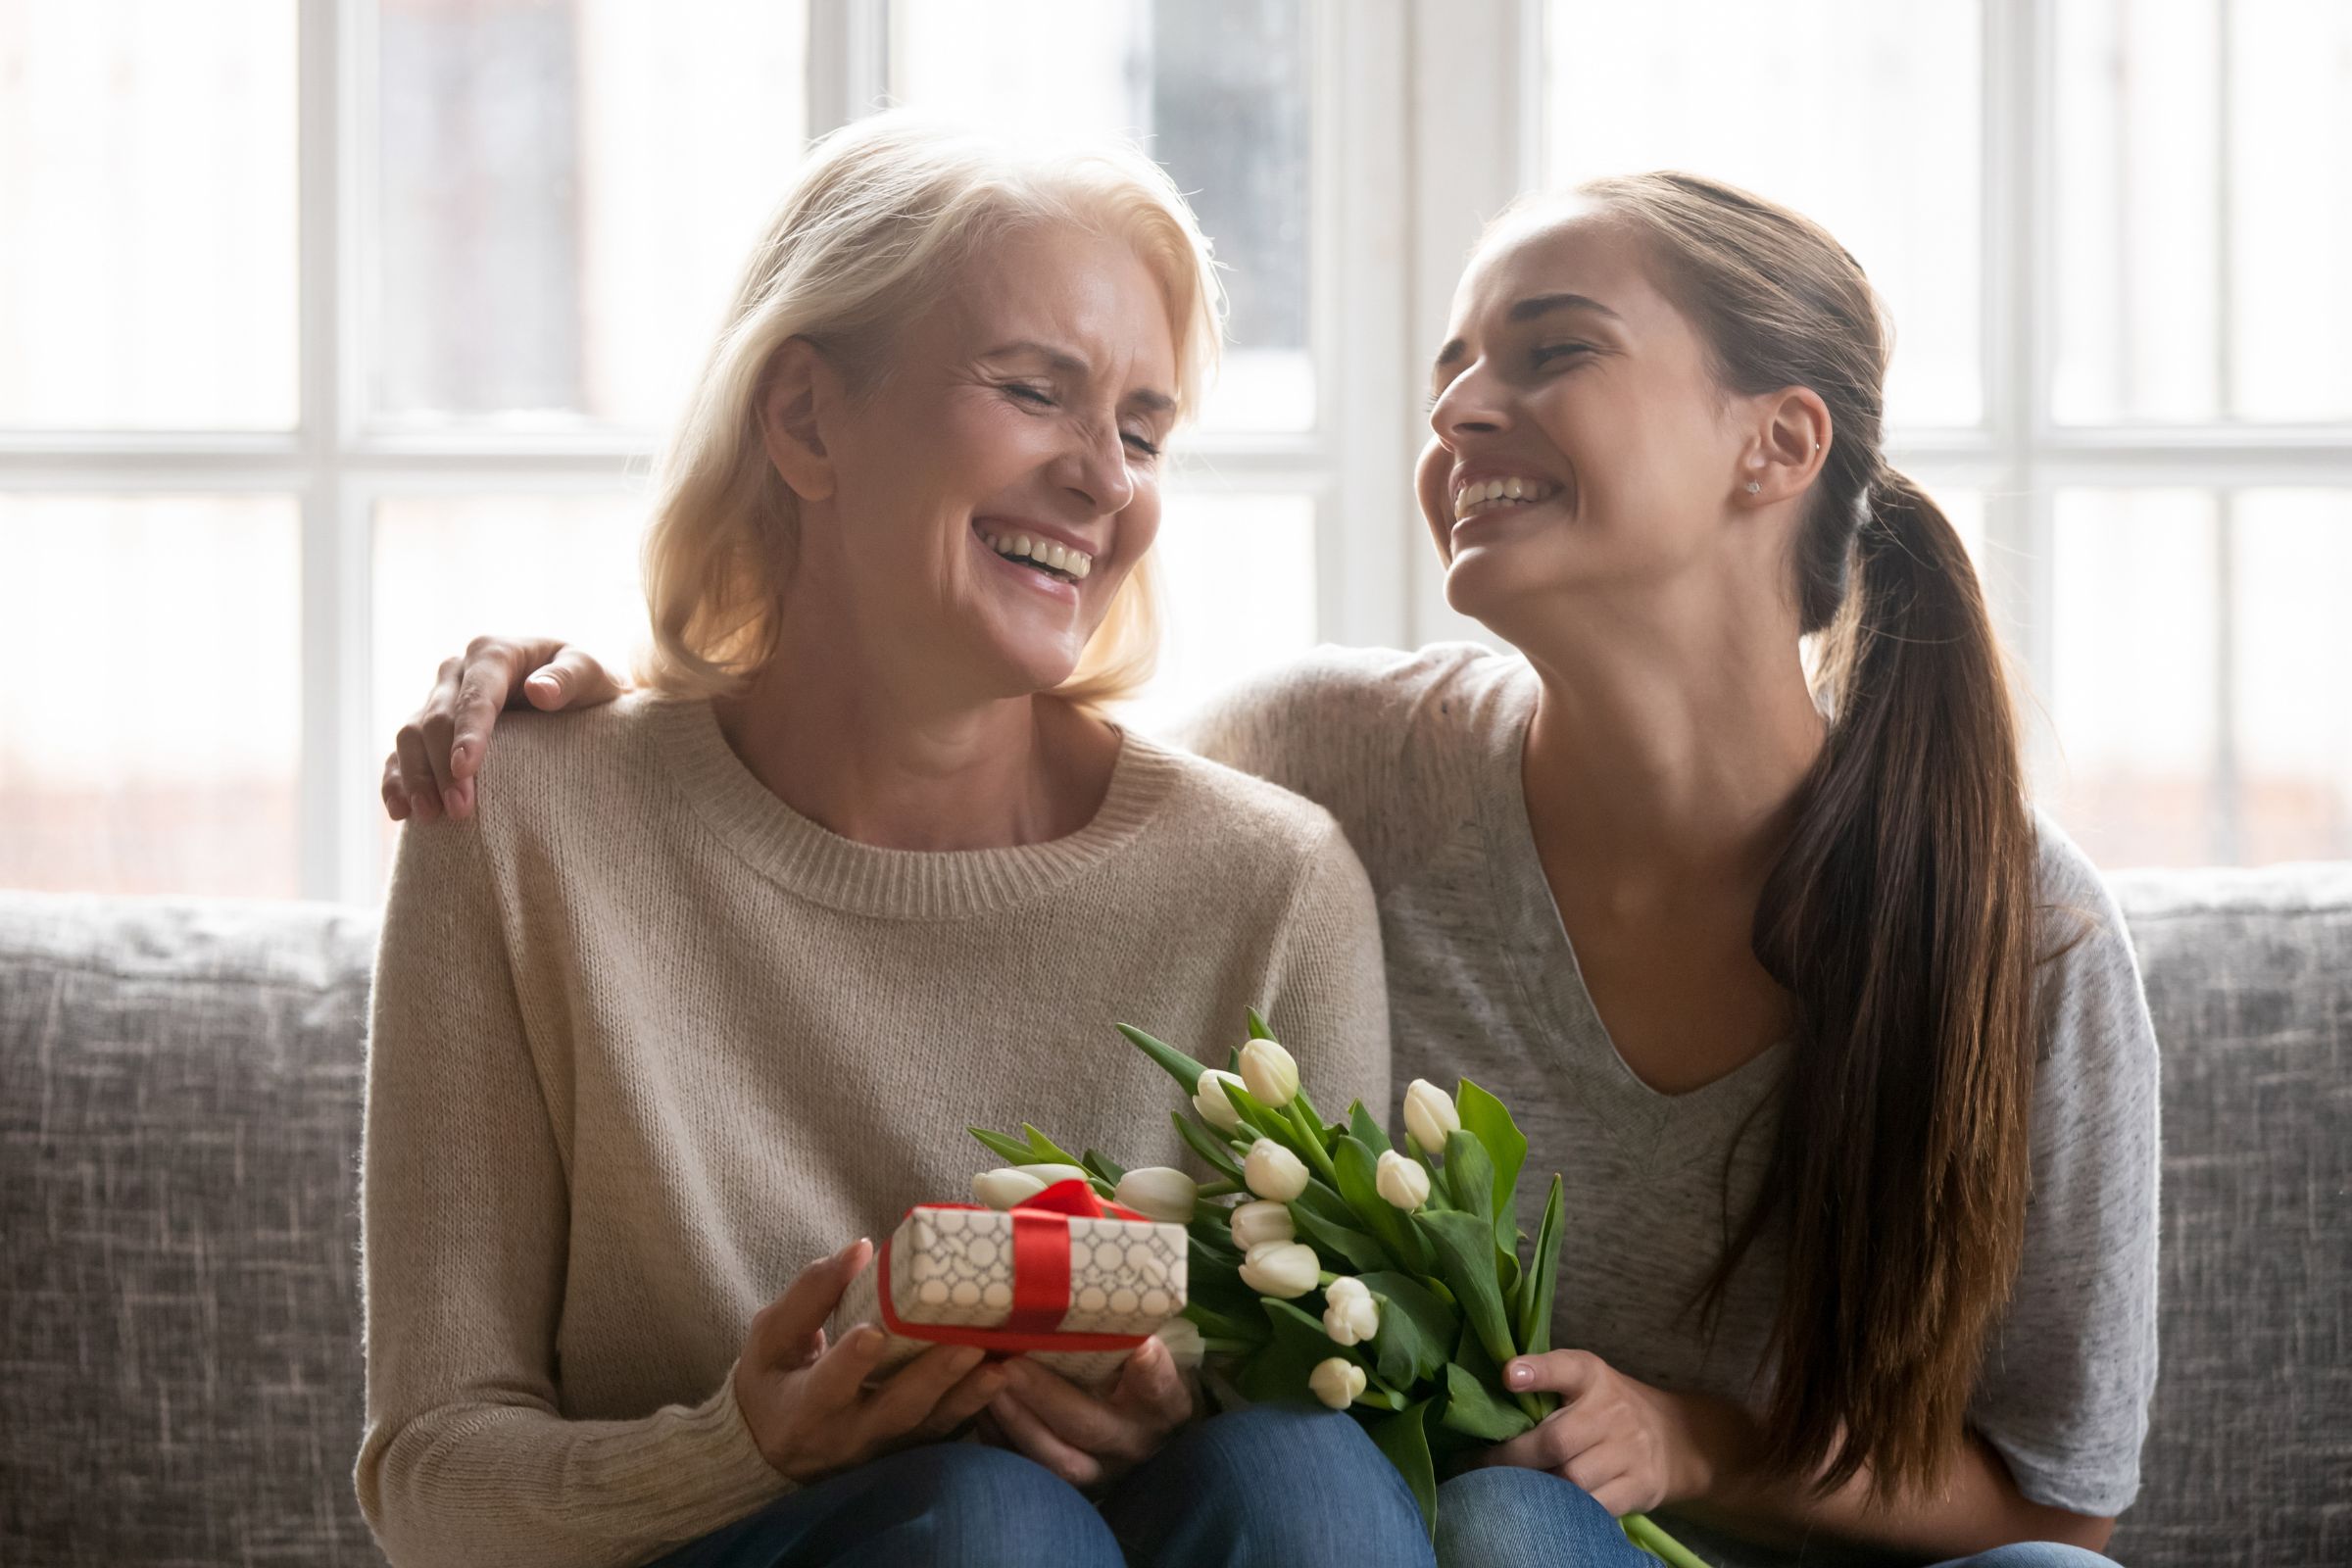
(849, 61)
(333, 678)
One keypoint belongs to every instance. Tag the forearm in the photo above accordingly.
(515, 1485)
(1977, 1507)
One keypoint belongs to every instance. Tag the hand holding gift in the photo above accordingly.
(807, 1403)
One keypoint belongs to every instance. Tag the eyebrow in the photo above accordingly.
(1529, 310)
(1064, 362)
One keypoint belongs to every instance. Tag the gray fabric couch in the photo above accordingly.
(179, 1115)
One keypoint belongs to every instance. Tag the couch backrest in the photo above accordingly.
(2249, 1452)
(180, 1129)
(179, 1114)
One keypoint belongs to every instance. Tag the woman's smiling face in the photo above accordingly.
(998, 481)
(1570, 383)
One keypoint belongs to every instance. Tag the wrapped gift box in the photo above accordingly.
(1072, 1281)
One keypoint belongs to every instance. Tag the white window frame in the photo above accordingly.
(1418, 139)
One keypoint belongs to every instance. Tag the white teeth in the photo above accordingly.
(1488, 492)
(1075, 564)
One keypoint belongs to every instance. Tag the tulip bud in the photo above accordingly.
(1182, 1337)
(1284, 1270)
(1402, 1182)
(1273, 1171)
(1210, 1101)
(1269, 1072)
(1159, 1192)
(1005, 1187)
(1255, 1224)
(1337, 1382)
(1349, 1314)
(1430, 1117)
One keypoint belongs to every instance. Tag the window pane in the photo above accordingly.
(168, 762)
(2135, 661)
(1218, 90)
(449, 568)
(2204, 211)
(1238, 580)
(2292, 575)
(567, 191)
(147, 250)
(1862, 116)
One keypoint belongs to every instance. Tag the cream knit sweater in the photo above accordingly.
(645, 1041)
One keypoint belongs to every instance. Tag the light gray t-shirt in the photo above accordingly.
(1418, 757)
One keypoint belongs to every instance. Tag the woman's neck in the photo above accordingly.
(1660, 762)
(879, 761)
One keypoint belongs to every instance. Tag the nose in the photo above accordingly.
(1472, 404)
(1096, 469)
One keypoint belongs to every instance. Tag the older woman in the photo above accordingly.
(716, 976)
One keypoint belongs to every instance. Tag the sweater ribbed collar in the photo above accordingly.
(816, 863)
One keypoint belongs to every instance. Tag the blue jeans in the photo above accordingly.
(947, 1506)
(1511, 1518)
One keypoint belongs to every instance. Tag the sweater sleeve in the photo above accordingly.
(1329, 987)
(468, 1457)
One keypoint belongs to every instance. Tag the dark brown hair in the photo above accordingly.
(1901, 914)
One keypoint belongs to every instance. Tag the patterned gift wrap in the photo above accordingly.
(1065, 1279)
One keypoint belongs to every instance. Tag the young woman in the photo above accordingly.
(717, 976)
(1840, 1046)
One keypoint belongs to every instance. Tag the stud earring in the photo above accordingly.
(1753, 488)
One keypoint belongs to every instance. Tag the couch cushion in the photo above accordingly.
(179, 1120)
(2249, 979)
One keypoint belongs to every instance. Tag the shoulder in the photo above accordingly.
(1226, 814)
(574, 773)
(1340, 696)
(2096, 1037)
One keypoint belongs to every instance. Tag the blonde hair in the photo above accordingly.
(882, 215)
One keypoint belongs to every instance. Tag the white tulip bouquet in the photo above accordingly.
(1414, 1339)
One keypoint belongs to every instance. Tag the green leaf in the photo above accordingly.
(1179, 1066)
(1329, 1236)
(1208, 1146)
(1048, 1151)
(1258, 1026)
(1474, 1408)
(1471, 1174)
(1367, 1131)
(1012, 1151)
(1213, 1324)
(1265, 1121)
(1543, 1277)
(1294, 1328)
(1417, 1331)
(1490, 1121)
(1360, 1184)
(1404, 1439)
(1105, 1166)
(1465, 1247)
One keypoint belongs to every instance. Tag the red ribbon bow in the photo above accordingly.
(1041, 1279)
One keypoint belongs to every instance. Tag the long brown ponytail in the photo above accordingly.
(1901, 915)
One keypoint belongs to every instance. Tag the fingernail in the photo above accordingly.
(1519, 1375)
(843, 1256)
(461, 796)
(459, 754)
(869, 1340)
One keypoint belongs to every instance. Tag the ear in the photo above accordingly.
(1790, 440)
(798, 396)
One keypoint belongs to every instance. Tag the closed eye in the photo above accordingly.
(1547, 353)
(1021, 392)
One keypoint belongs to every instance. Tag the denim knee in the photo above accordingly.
(977, 1506)
(1504, 1516)
(1270, 1484)
(2034, 1555)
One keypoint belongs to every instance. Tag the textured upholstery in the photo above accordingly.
(179, 1114)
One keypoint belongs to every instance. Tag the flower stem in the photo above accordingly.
(1219, 1189)
(1657, 1542)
